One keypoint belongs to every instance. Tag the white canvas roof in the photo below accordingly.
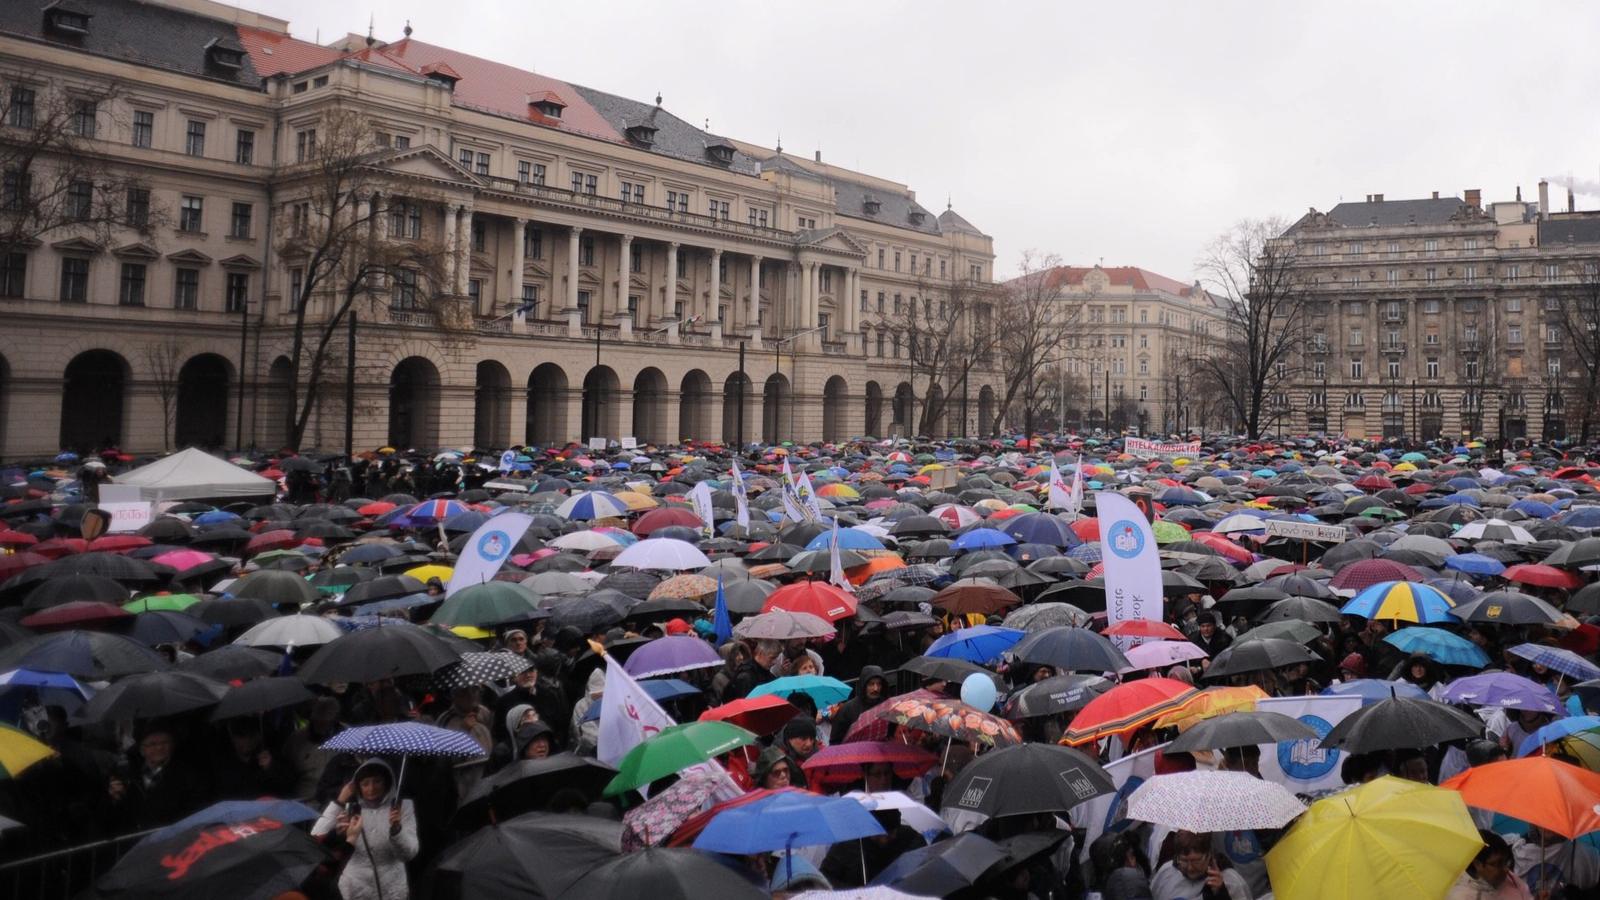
(193, 474)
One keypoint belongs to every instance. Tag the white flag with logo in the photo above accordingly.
(1302, 766)
(487, 550)
(1132, 561)
(741, 501)
(700, 494)
(628, 717)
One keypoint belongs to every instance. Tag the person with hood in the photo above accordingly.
(381, 830)
(871, 689)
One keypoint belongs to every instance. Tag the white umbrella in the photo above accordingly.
(1495, 530)
(1203, 801)
(919, 817)
(297, 630)
(585, 541)
(662, 553)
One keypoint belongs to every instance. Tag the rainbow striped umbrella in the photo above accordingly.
(1403, 601)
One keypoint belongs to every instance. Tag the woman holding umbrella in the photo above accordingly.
(381, 830)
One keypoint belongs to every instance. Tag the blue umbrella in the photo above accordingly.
(1440, 646)
(659, 689)
(982, 538)
(824, 690)
(1555, 731)
(1371, 690)
(232, 812)
(1558, 660)
(1475, 564)
(1503, 689)
(787, 820)
(981, 644)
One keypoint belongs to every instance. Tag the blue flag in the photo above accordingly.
(720, 618)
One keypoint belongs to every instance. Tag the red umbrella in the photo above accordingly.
(19, 562)
(1127, 707)
(846, 763)
(1145, 628)
(76, 614)
(762, 715)
(665, 517)
(55, 548)
(1542, 576)
(818, 598)
(9, 538)
(1368, 572)
(282, 539)
(1086, 529)
(119, 543)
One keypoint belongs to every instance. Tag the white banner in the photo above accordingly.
(1159, 449)
(700, 494)
(487, 550)
(628, 717)
(1302, 766)
(1109, 812)
(741, 501)
(1132, 562)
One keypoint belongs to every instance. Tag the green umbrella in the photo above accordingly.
(1288, 629)
(676, 748)
(489, 603)
(161, 603)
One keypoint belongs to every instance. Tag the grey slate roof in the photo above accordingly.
(674, 137)
(140, 33)
(1578, 230)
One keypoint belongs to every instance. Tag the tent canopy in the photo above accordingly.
(195, 474)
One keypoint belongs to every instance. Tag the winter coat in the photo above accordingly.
(377, 864)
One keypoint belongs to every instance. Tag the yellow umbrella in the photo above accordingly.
(431, 570)
(1212, 702)
(1387, 838)
(19, 750)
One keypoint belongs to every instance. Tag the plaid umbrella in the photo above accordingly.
(653, 821)
(475, 669)
(953, 719)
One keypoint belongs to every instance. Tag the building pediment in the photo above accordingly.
(190, 257)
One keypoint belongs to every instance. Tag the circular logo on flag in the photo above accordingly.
(1126, 539)
(494, 546)
(1304, 759)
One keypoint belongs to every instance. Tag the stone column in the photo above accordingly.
(714, 304)
(753, 319)
(624, 260)
(464, 253)
(575, 234)
(669, 299)
(449, 234)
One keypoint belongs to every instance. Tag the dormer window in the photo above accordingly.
(548, 105)
(721, 152)
(871, 206)
(643, 135)
(65, 19)
(225, 54)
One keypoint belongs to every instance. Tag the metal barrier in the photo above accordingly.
(62, 874)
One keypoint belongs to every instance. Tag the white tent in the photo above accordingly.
(194, 474)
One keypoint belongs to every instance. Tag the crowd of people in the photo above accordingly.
(298, 689)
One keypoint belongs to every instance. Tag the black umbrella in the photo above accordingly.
(233, 662)
(1241, 729)
(1069, 649)
(256, 860)
(526, 785)
(90, 655)
(1052, 696)
(1021, 780)
(274, 586)
(68, 588)
(261, 695)
(534, 856)
(151, 695)
(943, 868)
(663, 874)
(1258, 655)
(373, 654)
(946, 668)
(1401, 723)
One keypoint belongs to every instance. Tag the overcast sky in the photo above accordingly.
(1128, 133)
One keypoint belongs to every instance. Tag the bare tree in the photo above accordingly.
(1036, 318)
(165, 362)
(1264, 318)
(331, 236)
(56, 182)
(1576, 312)
(949, 332)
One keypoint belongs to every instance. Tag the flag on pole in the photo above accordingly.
(487, 549)
(721, 620)
(628, 717)
(700, 494)
(835, 568)
(741, 501)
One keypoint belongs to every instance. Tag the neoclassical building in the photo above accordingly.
(627, 273)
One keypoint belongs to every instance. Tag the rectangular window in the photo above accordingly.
(84, 117)
(194, 141)
(533, 243)
(132, 290)
(305, 144)
(297, 279)
(80, 200)
(144, 127)
(240, 225)
(244, 147)
(405, 290)
(237, 292)
(585, 250)
(21, 113)
(190, 213)
(482, 167)
(186, 289)
(74, 279)
(13, 273)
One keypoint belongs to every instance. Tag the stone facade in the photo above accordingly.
(615, 258)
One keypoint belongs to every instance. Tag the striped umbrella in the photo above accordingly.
(1403, 601)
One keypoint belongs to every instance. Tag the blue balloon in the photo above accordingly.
(978, 692)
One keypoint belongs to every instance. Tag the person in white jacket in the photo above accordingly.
(381, 831)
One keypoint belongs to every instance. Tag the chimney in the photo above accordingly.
(1544, 198)
(1572, 205)
(1474, 198)
(1435, 195)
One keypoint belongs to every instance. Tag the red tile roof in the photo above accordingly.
(273, 52)
(1125, 276)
